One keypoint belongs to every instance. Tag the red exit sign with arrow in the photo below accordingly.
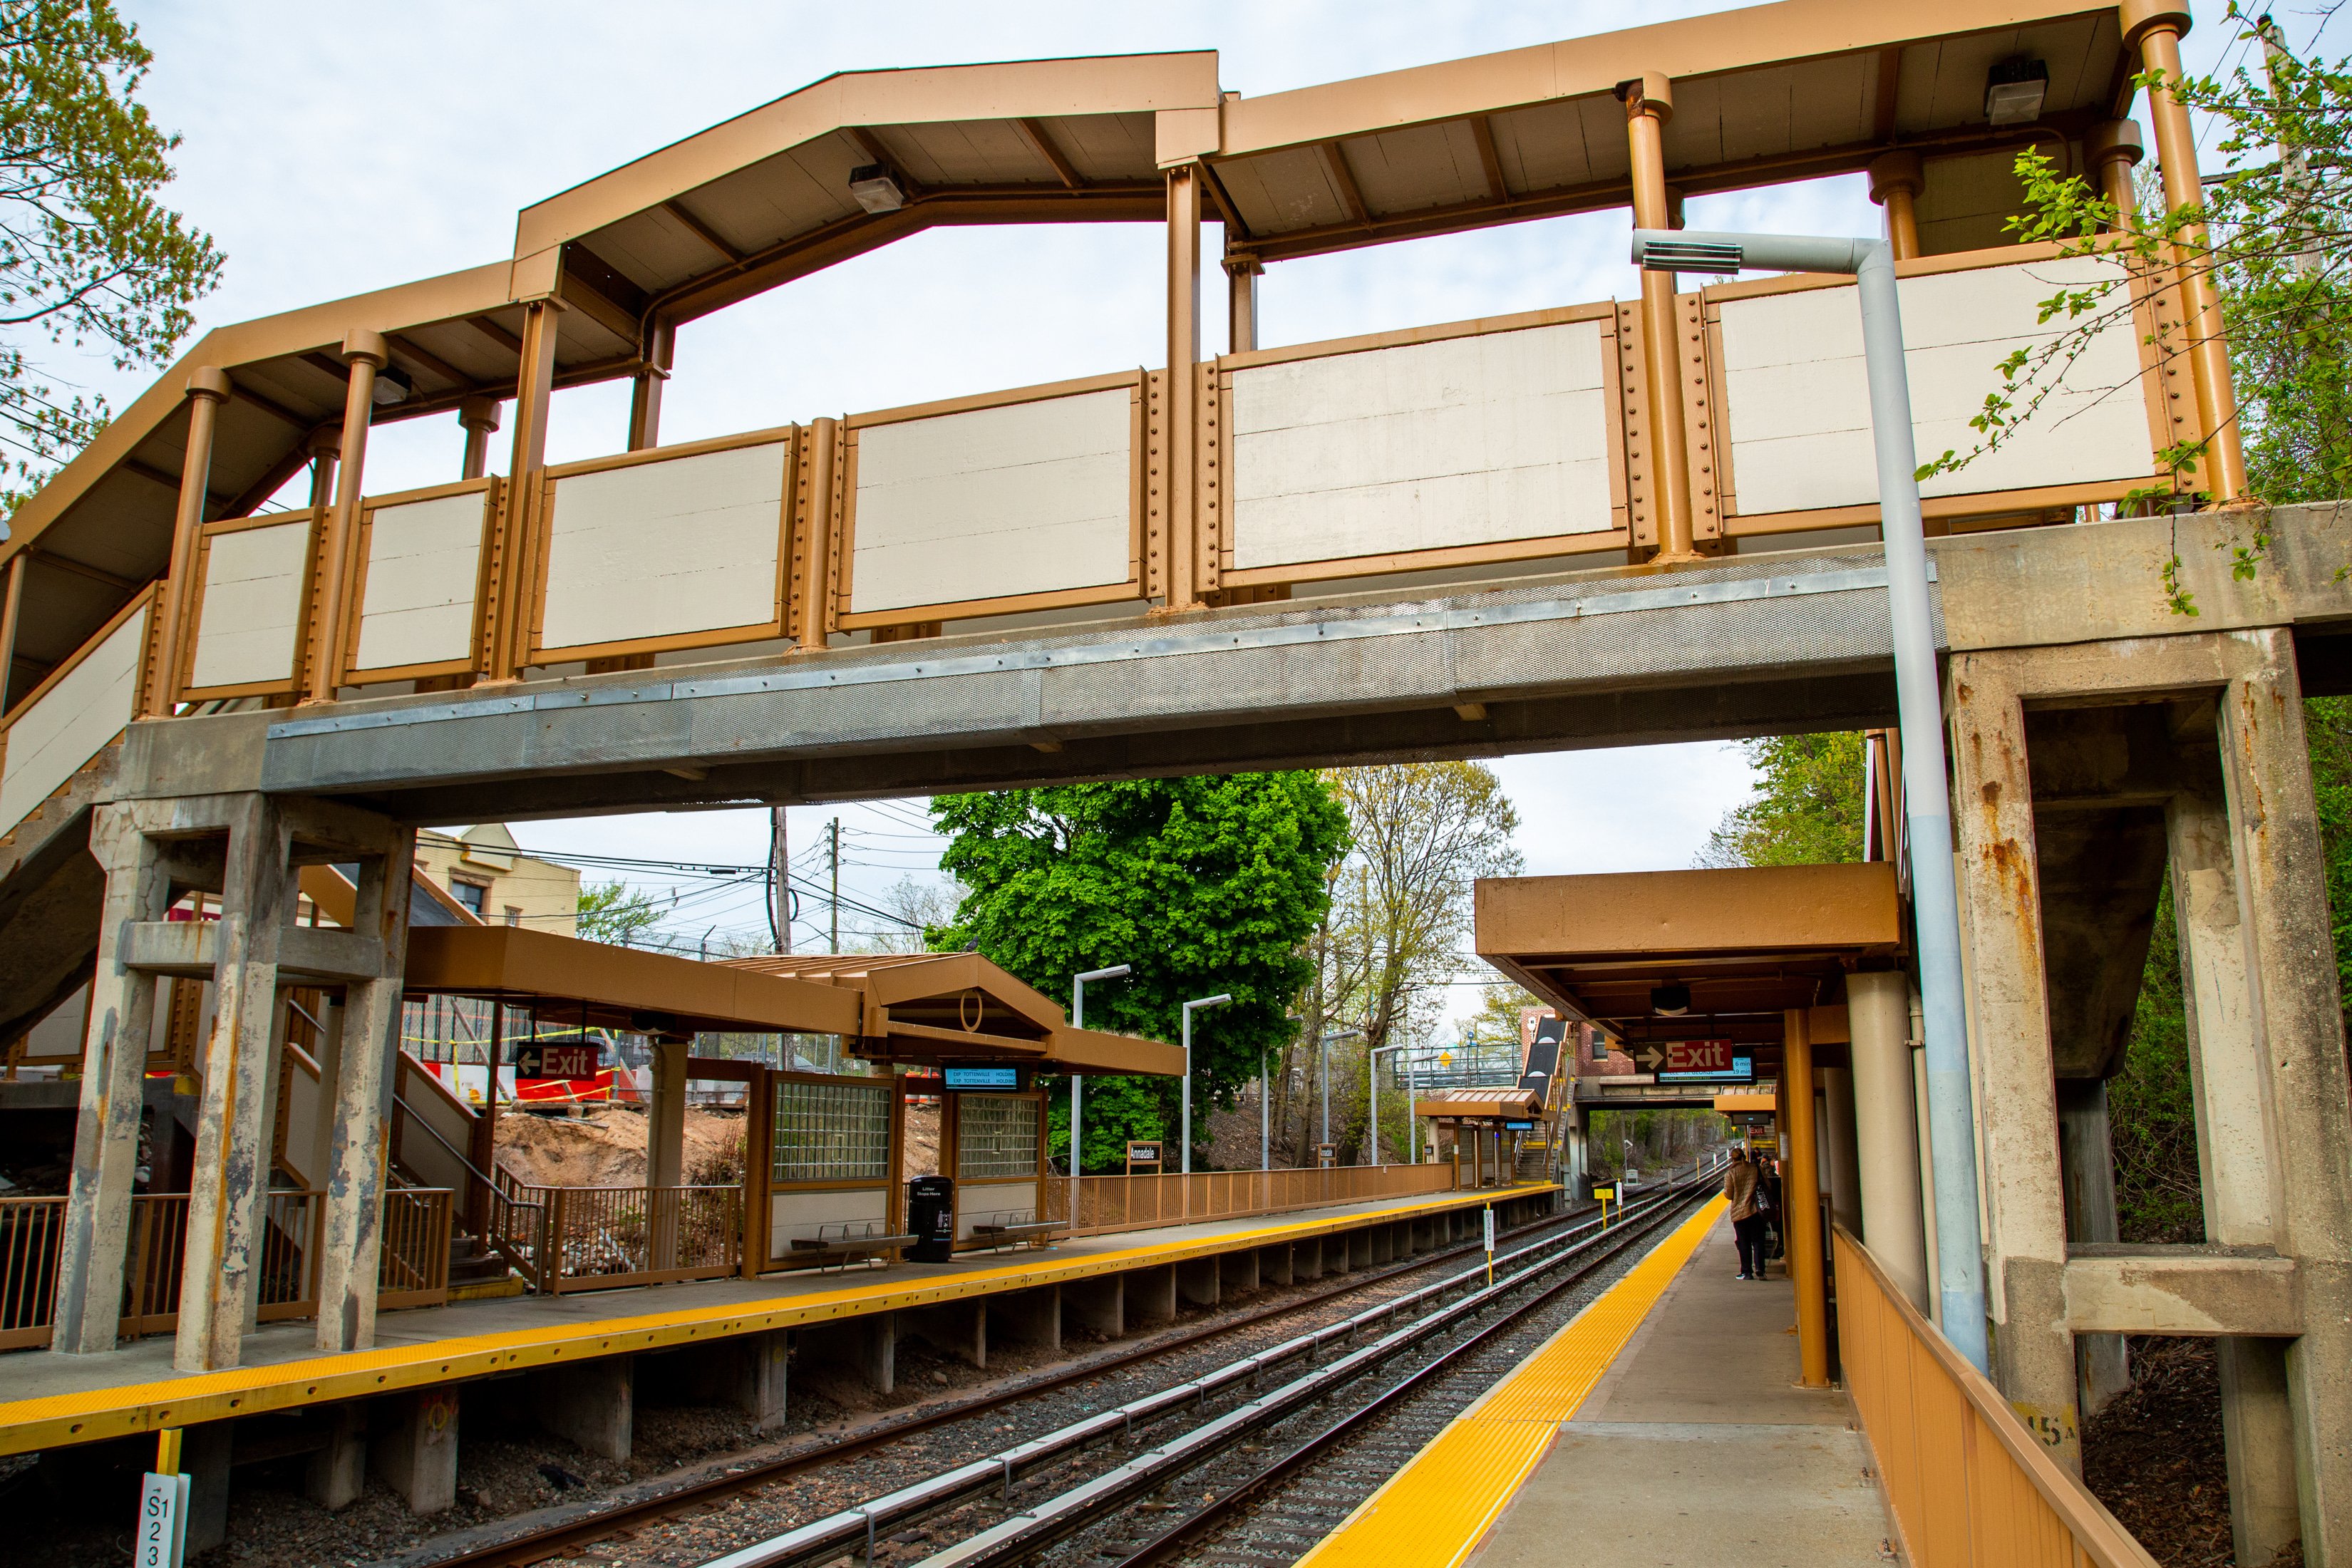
(1688, 1055)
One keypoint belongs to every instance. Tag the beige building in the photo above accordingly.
(488, 874)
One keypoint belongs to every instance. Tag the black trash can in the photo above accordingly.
(930, 1218)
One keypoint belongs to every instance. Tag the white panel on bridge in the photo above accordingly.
(1799, 416)
(252, 606)
(659, 549)
(1471, 440)
(71, 723)
(1025, 498)
(423, 560)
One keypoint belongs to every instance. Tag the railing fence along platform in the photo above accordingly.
(413, 1269)
(1107, 1203)
(1966, 1480)
(565, 1239)
(1506, 439)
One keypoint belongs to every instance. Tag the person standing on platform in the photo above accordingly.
(1768, 1206)
(1747, 1225)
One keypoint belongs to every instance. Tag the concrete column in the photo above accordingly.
(2017, 1110)
(2101, 1371)
(351, 1232)
(1839, 1155)
(591, 1403)
(665, 1143)
(220, 1284)
(114, 1059)
(1273, 1265)
(958, 1329)
(2233, 1137)
(1237, 1272)
(747, 1373)
(1034, 1317)
(205, 1455)
(2283, 904)
(2258, 1432)
(1097, 1305)
(1887, 1143)
(1198, 1280)
(2225, 1055)
(416, 1454)
(867, 1342)
(337, 1473)
(1152, 1294)
(1360, 1249)
(1801, 1191)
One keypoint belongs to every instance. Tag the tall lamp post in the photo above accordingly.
(1078, 1021)
(1934, 905)
(1190, 1007)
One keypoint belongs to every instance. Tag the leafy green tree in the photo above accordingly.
(2151, 1114)
(1806, 809)
(1204, 885)
(88, 257)
(615, 913)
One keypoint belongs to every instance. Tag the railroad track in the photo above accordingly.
(1298, 1399)
(625, 1519)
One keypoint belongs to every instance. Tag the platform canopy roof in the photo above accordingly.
(1480, 1104)
(1747, 945)
(1762, 96)
(934, 1008)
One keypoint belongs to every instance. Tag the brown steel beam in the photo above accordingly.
(270, 406)
(871, 145)
(1482, 131)
(496, 333)
(1343, 179)
(702, 231)
(1042, 140)
(1890, 78)
(428, 360)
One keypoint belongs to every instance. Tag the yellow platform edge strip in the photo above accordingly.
(134, 1408)
(1434, 1512)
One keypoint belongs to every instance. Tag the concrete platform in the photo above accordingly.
(49, 1399)
(1698, 1448)
(1660, 1428)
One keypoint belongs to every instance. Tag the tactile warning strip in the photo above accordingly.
(1435, 1509)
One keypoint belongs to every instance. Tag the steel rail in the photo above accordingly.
(537, 1545)
(857, 1529)
(1021, 1539)
(1189, 1531)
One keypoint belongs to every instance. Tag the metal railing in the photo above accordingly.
(1135, 1203)
(30, 1232)
(150, 1273)
(599, 1238)
(1964, 1479)
(413, 1268)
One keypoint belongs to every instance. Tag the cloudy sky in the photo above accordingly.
(332, 149)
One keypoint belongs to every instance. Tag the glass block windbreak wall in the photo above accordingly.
(832, 1131)
(996, 1135)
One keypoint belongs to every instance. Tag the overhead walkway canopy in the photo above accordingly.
(1653, 957)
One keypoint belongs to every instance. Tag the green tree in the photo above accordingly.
(1420, 835)
(2151, 1115)
(615, 913)
(88, 257)
(1205, 885)
(1806, 809)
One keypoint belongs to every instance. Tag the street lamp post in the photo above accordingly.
(1078, 1021)
(1934, 898)
(1197, 1002)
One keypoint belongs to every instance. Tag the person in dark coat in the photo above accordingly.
(1740, 1188)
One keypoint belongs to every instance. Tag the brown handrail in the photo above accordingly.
(1966, 1480)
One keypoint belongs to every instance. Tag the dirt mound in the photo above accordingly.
(605, 1147)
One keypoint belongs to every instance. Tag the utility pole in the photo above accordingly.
(780, 879)
(833, 853)
(2291, 157)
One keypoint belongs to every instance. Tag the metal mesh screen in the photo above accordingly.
(996, 1135)
(831, 1132)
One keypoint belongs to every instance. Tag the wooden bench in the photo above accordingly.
(1000, 1236)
